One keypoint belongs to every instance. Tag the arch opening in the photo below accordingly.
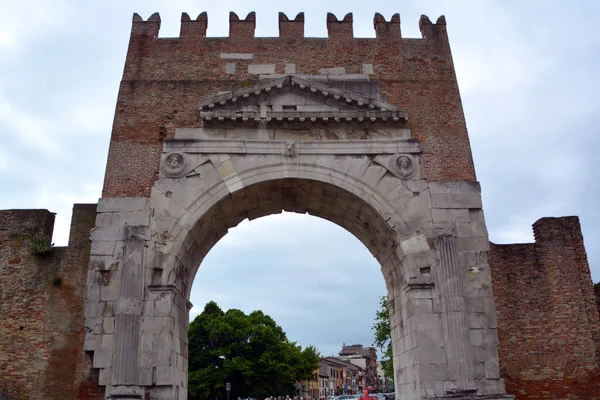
(316, 280)
(303, 196)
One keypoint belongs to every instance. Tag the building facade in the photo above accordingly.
(365, 357)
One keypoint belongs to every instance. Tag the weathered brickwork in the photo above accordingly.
(165, 78)
(548, 323)
(42, 324)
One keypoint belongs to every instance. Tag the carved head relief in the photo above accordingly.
(403, 166)
(174, 165)
(289, 149)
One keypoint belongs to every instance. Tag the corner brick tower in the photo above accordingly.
(367, 133)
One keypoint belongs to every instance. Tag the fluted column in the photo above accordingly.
(129, 307)
(454, 319)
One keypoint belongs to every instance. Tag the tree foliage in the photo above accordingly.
(250, 351)
(597, 289)
(383, 339)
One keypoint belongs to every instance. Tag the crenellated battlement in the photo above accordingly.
(195, 28)
(385, 29)
(245, 28)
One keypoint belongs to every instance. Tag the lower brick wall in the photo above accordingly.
(548, 322)
(550, 376)
(41, 336)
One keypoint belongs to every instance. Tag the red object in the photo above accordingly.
(369, 393)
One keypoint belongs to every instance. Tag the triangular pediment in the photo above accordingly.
(293, 99)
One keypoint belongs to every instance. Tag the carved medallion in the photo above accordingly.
(175, 165)
(403, 166)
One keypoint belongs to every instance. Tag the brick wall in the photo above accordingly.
(548, 322)
(165, 78)
(42, 329)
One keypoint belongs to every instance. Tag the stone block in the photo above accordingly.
(147, 341)
(257, 69)
(480, 304)
(478, 370)
(92, 342)
(145, 376)
(107, 233)
(476, 284)
(478, 225)
(103, 248)
(130, 218)
(475, 244)
(162, 306)
(102, 359)
(163, 342)
(422, 306)
(94, 309)
(128, 306)
(432, 390)
(93, 290)
(108, 325)
(424, 322)
(109, 293)
(113, 205)
(102, 263)
(456, 200)
(446, 215)
(107, 342)
(492, 386)
(164, 376)
(332, 71)
(160, 358)
(433, 372)
(168, 326)
(153, 325)
(431, 355)
(230, 68)
(454, 187)
(236, 56)
(93, 324)
(490, 337)
(104, 219)
(476, 337)
(105, 377)
(415, 244)
(481, 320)
(368, 69)
(290, 68)
(492, 368)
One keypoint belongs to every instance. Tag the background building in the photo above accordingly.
(364, 357)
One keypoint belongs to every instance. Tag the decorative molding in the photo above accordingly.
(164, 288)
(412, 287)
(338, 147)
(300, 85)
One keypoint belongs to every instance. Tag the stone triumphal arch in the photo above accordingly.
(367, 133)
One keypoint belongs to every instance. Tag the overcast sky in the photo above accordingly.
(528, 74)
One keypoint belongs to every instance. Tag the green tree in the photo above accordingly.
(383, 340)
(250, 351)
(597, 289)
